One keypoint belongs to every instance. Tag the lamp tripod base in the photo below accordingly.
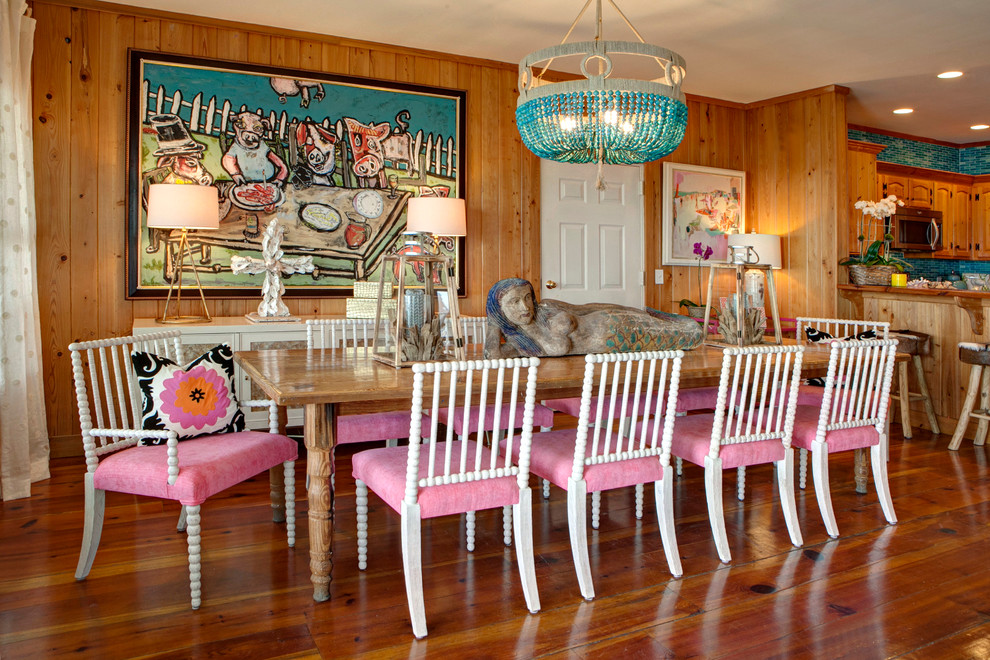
(176, 286)
(185, 319)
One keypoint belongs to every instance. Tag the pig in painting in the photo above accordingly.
(249, 158)
(286, 87)
(318, 148)
(365, 141)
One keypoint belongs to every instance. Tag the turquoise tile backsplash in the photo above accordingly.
(967, 160)
(932, 269)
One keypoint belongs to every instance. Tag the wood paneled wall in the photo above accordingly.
(796, 159)
(80, 100)
(715, 137)
(786, 147)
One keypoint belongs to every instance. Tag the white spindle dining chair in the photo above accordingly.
(812, 330)
(689, 400)
(110, 416)
(852, 415)
(622, 439)
(474, 330)
(752, 425)
(356, 336)
(442, 475)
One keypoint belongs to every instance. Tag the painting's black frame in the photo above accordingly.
(133, 166)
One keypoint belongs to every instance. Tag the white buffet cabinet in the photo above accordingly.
(241, 335)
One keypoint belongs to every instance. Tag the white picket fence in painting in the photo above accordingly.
(437, 154)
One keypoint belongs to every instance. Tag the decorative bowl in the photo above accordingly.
(977, 281)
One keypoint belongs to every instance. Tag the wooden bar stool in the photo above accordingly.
(914, 344)
(977, 355)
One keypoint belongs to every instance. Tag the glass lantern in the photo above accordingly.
(421, 324)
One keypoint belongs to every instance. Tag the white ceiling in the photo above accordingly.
(886, 51)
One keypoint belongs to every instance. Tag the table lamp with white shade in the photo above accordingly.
(767, 250)
(436, 216)
(184, 207)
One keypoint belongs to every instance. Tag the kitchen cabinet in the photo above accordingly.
(861, 168)
(953, 200)
(942, 201)
(913, 191)
(920, 193)
(961, 216)
(981, 220)
(963, 199)
(894, 184)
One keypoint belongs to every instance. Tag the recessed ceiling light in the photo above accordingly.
(903, 111)
(950, 74)
(980, 127)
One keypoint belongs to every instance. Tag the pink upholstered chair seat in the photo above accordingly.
(552, 459)
(699, 398)
(384, 472)
(542, 417)
(207, 465)
(693, 438)
(806, 427)
(696, 398)
(373, 426)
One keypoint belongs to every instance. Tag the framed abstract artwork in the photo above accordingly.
(701, 207)
(334, 158)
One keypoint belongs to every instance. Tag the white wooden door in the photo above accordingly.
(592, 240)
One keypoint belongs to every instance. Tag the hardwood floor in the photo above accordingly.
(914, 590)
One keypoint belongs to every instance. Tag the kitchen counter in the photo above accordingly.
(963, 293)
(950, 316)
(975, 303)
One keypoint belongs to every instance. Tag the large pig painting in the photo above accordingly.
(335, 159)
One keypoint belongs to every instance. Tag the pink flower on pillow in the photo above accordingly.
(196, 398)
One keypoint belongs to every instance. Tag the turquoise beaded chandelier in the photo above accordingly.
(600, 119)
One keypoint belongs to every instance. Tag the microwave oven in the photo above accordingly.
(916, 230)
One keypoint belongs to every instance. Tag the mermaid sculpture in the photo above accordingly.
(519, 326)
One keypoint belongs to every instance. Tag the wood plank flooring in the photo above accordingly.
(914, 590)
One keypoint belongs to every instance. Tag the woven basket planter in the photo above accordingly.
(871, 275)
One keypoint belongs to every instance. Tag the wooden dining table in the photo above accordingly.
(321, 380)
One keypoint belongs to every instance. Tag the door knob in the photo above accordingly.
(551, 284)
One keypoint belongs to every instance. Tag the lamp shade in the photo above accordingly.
(175, 205)
(767, 246)
(442, 216)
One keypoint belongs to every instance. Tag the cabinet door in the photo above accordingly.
(981, 219)
(962, 220)
(942, 201)
(893, 184)
(919, 193)
(262, 341)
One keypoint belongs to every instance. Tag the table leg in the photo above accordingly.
(276, 475)
(861, 469)
(319, 427)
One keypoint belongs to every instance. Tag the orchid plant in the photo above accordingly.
(703, 252)
(877, 252)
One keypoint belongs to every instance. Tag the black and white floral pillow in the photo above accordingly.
(196, 400)
(815, 335)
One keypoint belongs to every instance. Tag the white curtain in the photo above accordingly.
(23, 431)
